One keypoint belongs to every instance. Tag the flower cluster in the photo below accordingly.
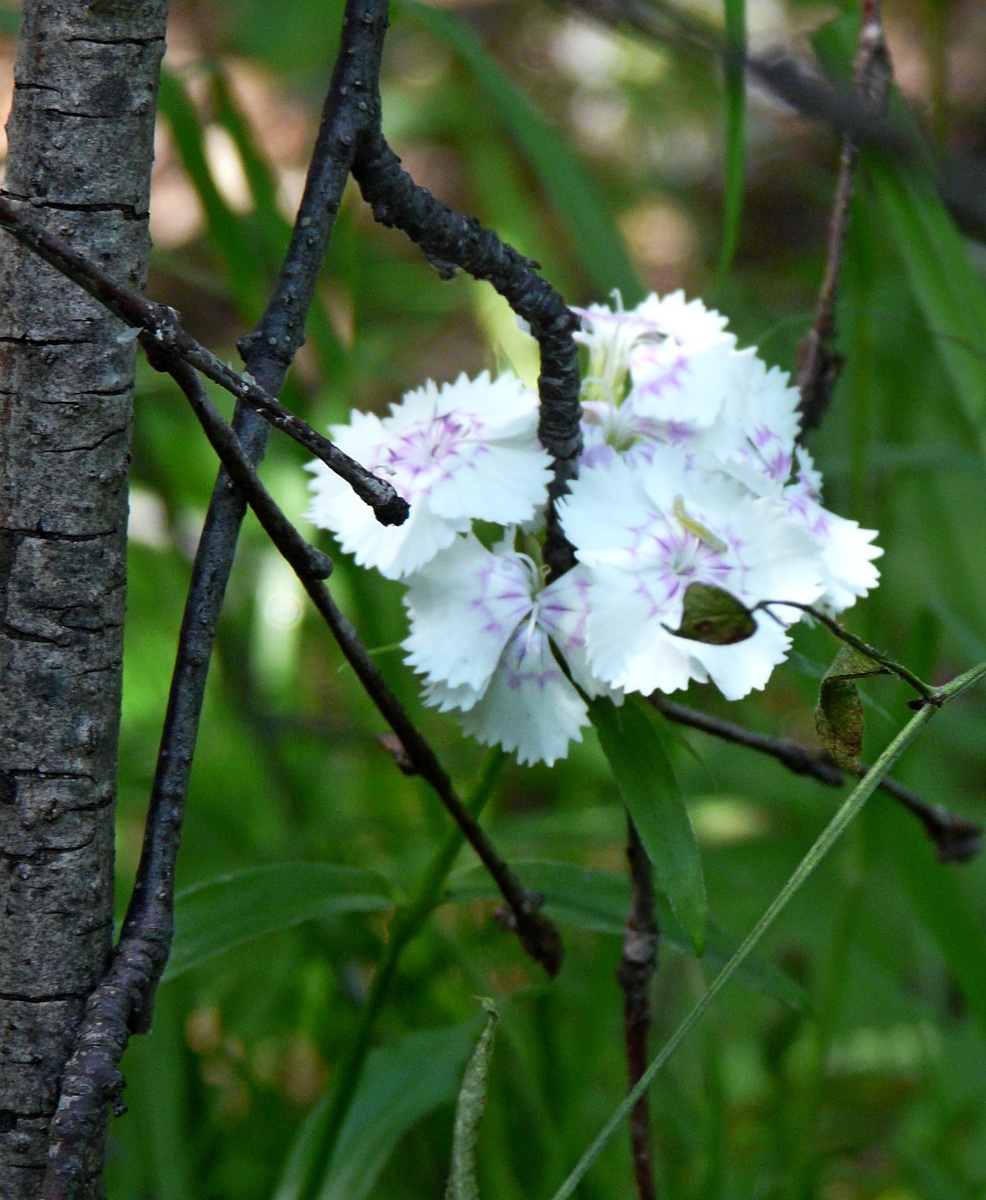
(690, 474)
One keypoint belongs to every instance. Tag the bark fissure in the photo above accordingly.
(124, 210)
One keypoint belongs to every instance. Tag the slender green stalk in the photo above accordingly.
(407, 924)
(824, 843)
(928, 693)
(735, 81)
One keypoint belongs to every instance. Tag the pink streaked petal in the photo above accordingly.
(628, 648)
(463, 607)
(504, 407)
(673, 383)
(504, 482)
(529, 707)
(601, 511)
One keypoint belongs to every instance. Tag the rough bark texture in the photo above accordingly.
(81, 141)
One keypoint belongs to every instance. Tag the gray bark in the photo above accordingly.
(81, 144)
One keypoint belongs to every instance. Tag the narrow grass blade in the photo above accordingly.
(735, 87)
(462, 1183)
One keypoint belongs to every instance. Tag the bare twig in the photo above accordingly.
(635, 973)
(124, 1000)
(161, 324)
(537, 934)
(818, 362)
(956, 839)
(451, 240)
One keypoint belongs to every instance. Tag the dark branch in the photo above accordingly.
(818, 363)
(956, 839)
(451, 240)
(124, 1000)
(635, 973)
(351, 119)
(161, 324)
(537, 934)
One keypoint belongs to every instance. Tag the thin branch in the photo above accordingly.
(928, 694)
(635, 973)
(956, 838)
(451, 240)
(537, 934)
(124, 996)
(162, 325)
(818, 362)
(123, 1002)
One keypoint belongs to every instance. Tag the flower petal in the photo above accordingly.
(744, 667)
(529, 707)
(464, 605)
(462, 451)
(629, 648)
(684, 384)
(847, 552)
(563, 611)
(505, 482)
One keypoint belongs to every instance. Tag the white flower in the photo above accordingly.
(480, 628)
(462, 451)
(645, 535)
(650, 338)
(661, 372)
(754, 437)
(847, 552)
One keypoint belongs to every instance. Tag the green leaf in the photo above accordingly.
(599, 900)
(215, 916)
(462, 1184)
(714, 616)
(569, 186)
(735, 79)
(400, 1086)
(634, 747)
(839, 714)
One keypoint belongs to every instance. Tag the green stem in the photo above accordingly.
(931, 694)
(407, 924)
(821, 847)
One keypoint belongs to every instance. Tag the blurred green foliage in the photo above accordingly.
(611, 161)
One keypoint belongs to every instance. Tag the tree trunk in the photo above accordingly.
(81, 145)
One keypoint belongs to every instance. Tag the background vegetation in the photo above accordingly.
(605, 158)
